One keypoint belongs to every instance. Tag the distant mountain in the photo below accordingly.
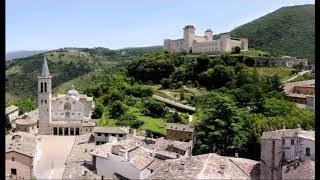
(22, 54)
(286, 31)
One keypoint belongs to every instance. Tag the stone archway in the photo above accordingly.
(71, 131)
(77, 131)
(55, 131)
(60, 131)
(66, 131)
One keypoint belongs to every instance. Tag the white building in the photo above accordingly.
(12, 113)
(204, 44)
(104, 135)
(282, 147)
(66, 114)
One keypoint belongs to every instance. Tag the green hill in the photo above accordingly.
(78, 66)
(286, 31)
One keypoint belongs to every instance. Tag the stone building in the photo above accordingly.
(20, 152)
(65, 114)
(104, 135)
(26, 124)
(281, 148)
(12, 113)
(180, 132)
(204, 44)
(302, 93)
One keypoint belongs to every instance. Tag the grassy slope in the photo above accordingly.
(286, 31)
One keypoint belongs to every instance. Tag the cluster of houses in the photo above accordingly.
(118, 153)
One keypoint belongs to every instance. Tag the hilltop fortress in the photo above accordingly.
(204, 44)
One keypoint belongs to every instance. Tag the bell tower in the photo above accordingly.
(44, 99)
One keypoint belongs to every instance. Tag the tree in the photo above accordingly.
(220, 129)
(249, 62)
(114, 95)
(26, 105)
(203, 62)
(216, 77)
(276, 107)
(117, 109)
(98, 111)
(153, 107)
(236, 50)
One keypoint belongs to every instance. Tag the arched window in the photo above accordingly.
(41, 87)
(45, 87)
(67, 106)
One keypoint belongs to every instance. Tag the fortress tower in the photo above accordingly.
(44, 99)
(188, 36)
(208, 34)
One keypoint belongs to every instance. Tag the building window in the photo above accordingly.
(13, 171)
(307, 151)
(284, 155)
(72, 113)
(67, 106)
(13, 159)
(41, 87)
(99, 134)
(67, 114)
(79, 114)
(113, 135)
(45, 101)
(292, 141)
(41, 101)
(45, 87)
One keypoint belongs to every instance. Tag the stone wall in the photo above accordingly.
(22, 163)
(276, 61)
(179, 135)
(271, 155)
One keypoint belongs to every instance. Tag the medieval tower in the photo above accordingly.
(44, 99)
(188, 36)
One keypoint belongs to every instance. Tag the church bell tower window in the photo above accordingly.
(41, 86)
(45, 87)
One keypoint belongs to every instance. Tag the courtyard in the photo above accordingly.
(52, 153)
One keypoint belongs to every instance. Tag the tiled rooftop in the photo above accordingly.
(110, 130)
(21, 142)
(179, 127)
(305, 170)
(11, 109)
(279, 134)
(207, 166)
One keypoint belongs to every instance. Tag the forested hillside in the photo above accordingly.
(286, 31)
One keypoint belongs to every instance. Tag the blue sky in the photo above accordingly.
(114, 24)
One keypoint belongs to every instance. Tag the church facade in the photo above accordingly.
(65, 114)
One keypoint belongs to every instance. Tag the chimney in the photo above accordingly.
(126, 155)
(153, 152)
(236, 155)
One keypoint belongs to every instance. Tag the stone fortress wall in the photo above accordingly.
(285, 61)
(204, 44)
